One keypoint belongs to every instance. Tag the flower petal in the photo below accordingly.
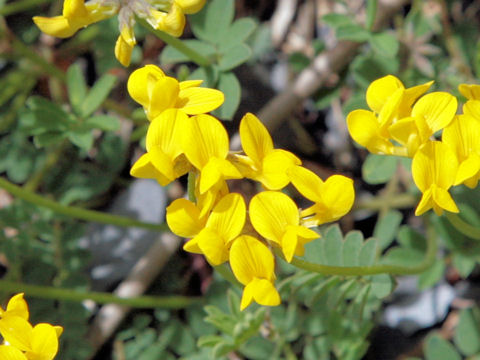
(338, 195)
(183, 218)
(198, 100)
(437, 108)
(44, 341)
(470, 91)
(123, 51)
(164, 96)
(306, 182)
(256, 140)
(380, 90)
(204, 138)
(8, 352)
(213, 246)
(228, 216)
(250, 259)
(16, 331)
(141, 83)
(444, 200)
(57, 26)
(274, 169)
(364, 128)
(271, 212)
(18, 306)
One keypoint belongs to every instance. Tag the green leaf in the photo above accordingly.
(382, 285)
(352, 32)
(351, 248)
(76, 86)
(170, 55)
(336, 20)
(230, 86)
(209, 340)
(212, 23)
(209, 74)
(258, 348)
(463, 263)
(467, 333)
(97, 94)
(220, 320)
(378, 169)
(324, 97)
(332, 246)
(403, 257)
(385, 44)
(431, 276)
(410, 238)
(233, 303)
(48, 139)
(222, 349)
(371, 13)
(367, 68)
(368, 253)
(234, 56)
(237, 33)
(298, 61)
(437, 348)
(386, 228)
(103, 122)
(44, 116)
(83, 138)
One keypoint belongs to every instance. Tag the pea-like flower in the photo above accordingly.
(470, 91)
(166, 15)
(434, 169)
(205, 143)
(253, 265)
(24, 341)
(262, 162)
(164, 159)
(213, 237)
(332, 198)
(276, 217)
(431, 113)
(389, 101)
(463, 137)
(156, 92)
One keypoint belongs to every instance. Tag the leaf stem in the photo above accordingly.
(76, 212)
(427, 262)
(20, 5)
(193, 55)
(463, 227)
(49, 292)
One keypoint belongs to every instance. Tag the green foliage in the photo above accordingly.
(223, 41)
(50, 124)
(378, 169)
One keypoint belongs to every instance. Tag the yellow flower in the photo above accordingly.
(434, 168)
(214, 236)
(16, 306)
(470, 91)
(37, 343)
(430, 114)
(275, 216)
(167, 16)
(8, 352)
(156, 92)
(389, 101)
(333, 198)
(253, 265)
(164, 160)
(205, 143)
(463, 137)
(263, 163)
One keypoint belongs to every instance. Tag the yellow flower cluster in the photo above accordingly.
(22, 341)
(164, 15)
(216, 222)
(404, 121)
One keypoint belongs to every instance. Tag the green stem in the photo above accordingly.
(20, 5)
(400, 201)
(48, 292)
(427, 262)
(463, 227)
(75, 212)
(193, 55)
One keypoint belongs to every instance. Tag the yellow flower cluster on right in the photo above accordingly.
(22, 341)
(182, 138)
(404, 122)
